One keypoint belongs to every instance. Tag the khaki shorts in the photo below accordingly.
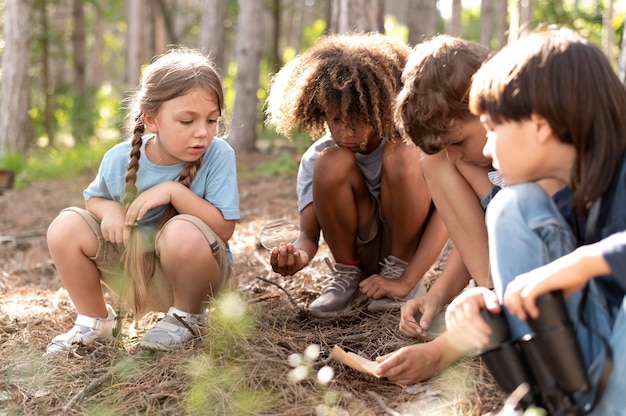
(160, 295)
(373, 241)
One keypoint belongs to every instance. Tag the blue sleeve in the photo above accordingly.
(614, 250)
(219, 179)
(110, 182)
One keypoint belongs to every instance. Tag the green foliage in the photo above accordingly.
(395, 29)
(311, 33)
(46, 164)
(470, 23)
(218, 376)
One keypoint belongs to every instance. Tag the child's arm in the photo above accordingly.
(568, 273)
(449, 284)
(185, 201)
(288, 259)
(457, 188)
(111, 215)
(430, 246)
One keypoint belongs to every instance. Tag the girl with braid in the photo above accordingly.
(158, 214)
(359, 184)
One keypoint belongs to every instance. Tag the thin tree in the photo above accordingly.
(422, 19)
(515, 21)
(135, 41)
(249, 50)
(621, 62)
(357, 15)
(213, 32)
(486, 22)
(501, 13)
(608, 34)
(82, 111)
(454, 27)
(15, 128)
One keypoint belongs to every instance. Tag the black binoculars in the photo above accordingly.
(548, 360)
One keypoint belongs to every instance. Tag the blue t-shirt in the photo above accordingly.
(215, 181)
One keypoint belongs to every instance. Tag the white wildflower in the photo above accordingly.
(294, 360)
(298, 374)
(325, 375)
(312, 352)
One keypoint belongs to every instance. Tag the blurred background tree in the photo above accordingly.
(67, 64)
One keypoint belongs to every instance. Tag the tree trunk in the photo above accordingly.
(15, 128)
(621, 63)
(422, 20)
(159, 33)
(526, 17)
(213, 32)
(135, 41)
(357, 15)
(608, 34)
(276, 60)
(454, 28)
(97, 67)
(501, 16)
(82, 112)
(486, 22)
(249, 49)
(46, 84)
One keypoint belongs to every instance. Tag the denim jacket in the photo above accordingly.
(612, 233)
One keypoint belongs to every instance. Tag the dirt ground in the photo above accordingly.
(34, 307)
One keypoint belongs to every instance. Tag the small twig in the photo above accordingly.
(87, 389)
(388, 410)
(269, 268)
(293, 301)
(185, 324)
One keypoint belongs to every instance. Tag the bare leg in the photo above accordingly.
(457, 189)
(188, 264)
(405, 199)
(71, 244)
(342, 201)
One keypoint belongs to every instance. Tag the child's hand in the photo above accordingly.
(569, 273)
(411, 364)
(156, 196)
(112, 226)
(287, 260)
(463, 316)
(417, 314)
(377, 286)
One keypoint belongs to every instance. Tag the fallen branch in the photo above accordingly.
(269, 267)
(93, 385)
(388, 410)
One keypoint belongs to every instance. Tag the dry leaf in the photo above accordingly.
(354, 361)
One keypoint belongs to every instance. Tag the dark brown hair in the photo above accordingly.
(436, 80)
(357, 75)
(564, 78)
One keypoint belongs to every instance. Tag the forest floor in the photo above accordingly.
(240, 365)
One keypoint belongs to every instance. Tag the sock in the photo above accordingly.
(350, 263)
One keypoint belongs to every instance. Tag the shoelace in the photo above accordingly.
(340, 280)
(390, 269)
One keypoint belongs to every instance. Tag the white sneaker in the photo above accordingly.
(86, 331)
(170, 332)
(392, 268)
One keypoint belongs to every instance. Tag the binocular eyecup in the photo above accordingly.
(548, 359)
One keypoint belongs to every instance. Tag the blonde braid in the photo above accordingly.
(139, 261)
